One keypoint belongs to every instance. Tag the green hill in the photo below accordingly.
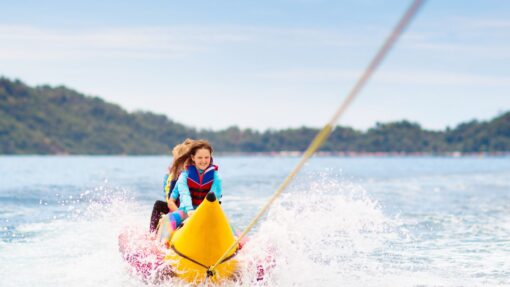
(45, 120)
(58, 120)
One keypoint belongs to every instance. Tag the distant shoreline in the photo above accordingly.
(294, 154)
(370, 154)
(46, 120)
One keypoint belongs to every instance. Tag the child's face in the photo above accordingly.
(202, 158)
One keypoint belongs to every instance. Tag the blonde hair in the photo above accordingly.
(174, 169)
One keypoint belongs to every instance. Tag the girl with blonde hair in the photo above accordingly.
(171, 194)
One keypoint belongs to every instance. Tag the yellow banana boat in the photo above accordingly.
(200, 242)
(188, 251)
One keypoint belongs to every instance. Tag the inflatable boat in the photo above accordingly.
(188, 251)
(200, 242)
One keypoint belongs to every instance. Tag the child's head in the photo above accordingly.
(178, 151)
(199, 153)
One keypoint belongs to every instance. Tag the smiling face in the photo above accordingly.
(202, 158)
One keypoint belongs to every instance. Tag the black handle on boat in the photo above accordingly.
(211, 196)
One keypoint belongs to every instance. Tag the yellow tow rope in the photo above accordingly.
(324, 133)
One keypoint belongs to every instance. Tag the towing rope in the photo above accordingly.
(324, 133)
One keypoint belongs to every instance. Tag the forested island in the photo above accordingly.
(59, 120)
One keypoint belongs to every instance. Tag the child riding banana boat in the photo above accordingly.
(191, 231)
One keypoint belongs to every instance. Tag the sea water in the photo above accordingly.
(361, 221)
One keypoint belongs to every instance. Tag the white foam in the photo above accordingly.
(331, 233)
(80, 250)
(323, 231)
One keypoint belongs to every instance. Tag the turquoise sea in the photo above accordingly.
(344, 221)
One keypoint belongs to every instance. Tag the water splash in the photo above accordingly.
(329, 232)
(77, 249)
(325, 231)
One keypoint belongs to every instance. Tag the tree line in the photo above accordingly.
(59, 120)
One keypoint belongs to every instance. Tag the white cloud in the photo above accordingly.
(437, 78)
(310, 75)
(461, 37)
(409, 77)
(491, 23)
(462, 50)
(31, 43)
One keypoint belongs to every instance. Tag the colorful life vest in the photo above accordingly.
(200, 184)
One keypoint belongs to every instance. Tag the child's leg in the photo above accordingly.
(160, 207)
(170, 222)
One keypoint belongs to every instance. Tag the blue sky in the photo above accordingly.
(266, 64)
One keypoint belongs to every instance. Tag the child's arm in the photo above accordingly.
(216, 187)
(171, 205)
(184, 195)
(172, 198)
